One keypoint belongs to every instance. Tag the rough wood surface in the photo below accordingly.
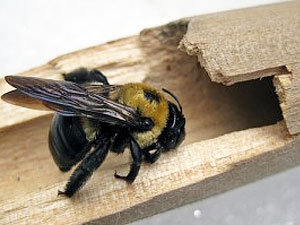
(288, 90)
(29, 186)
(247, 44)
(235, 135)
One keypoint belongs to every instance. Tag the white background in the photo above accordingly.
(33, 32)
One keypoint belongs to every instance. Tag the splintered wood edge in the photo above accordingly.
(192, 172)
(245, 44)
(251, 43)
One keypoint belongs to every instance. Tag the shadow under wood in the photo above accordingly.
(214, 109)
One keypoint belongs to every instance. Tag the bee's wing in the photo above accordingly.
(16, 97)
(70, 99)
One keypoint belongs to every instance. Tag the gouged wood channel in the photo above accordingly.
(235, 135)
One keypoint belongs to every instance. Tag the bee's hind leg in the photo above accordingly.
(86, 168)
(83, 75)
(136, 155)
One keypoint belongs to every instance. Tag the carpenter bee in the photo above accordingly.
(93, 117)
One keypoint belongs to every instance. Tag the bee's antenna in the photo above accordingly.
(176, 99)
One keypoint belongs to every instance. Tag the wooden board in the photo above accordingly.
(287, 87)
(195, 171)
(235, 134)
(247, 44)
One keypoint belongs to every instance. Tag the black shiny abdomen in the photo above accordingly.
(67, 141)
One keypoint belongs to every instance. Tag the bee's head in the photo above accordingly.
(174, 132)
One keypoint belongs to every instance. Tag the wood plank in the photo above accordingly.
(246, 44)
(235, 135)
(252, 43)
(287, 87)
(192, 172)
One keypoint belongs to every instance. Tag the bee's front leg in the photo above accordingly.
(152, 157)
(136, 155)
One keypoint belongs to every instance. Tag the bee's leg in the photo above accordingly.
(136, 155)
(83, 75)
(151, 158)
(85, 169)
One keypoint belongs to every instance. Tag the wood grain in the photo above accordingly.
(195, 171)
(288, 90)
(121, 60)
(235, 134)
(246, 44)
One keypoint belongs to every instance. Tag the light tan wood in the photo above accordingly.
(121, 60)
(235, 134)
(287, 87)
(29, 187)
(246, 44)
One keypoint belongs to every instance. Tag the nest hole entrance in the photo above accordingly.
(213, 109)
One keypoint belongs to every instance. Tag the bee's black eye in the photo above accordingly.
(174, 132)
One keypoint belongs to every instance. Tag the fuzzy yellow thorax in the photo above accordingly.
(133, 94)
